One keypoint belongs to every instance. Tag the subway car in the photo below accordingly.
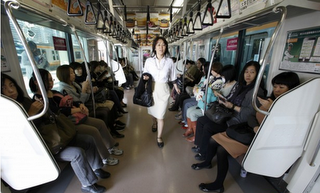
(280, 35)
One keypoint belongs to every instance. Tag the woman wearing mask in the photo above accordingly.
(81, 152)
(91, 126)
(66, 76)
(162, 70)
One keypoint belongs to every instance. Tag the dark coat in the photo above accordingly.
(143, 86)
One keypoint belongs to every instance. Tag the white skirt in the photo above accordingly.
(161, 94)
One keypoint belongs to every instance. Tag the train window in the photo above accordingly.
(226, 49)
(256, 42)
(40, 41)
(76, 48)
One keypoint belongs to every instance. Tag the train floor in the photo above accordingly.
(145, 168)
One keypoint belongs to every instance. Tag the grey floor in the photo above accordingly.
(145, 168)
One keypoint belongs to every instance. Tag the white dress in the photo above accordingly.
(162, 72)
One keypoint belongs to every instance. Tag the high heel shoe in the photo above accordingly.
(160, 143)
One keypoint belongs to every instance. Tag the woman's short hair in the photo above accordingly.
(166, 53)
(202, 60)
(75, 65)
(63, 73)
(217, 67)
(290, 79)
(228, 72)
(94, 65)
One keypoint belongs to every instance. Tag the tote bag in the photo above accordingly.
(57, 131)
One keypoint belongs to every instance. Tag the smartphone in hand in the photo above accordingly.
(221, 98)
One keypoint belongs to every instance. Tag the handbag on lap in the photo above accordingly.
(218, 113)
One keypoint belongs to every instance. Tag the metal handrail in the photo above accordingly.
(263, 65)
(14, 4)
(185, 62)
(109, 60)
(209, 71)
(116, 57)
(72, 27)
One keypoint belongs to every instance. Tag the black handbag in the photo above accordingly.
(101, 95)
(145, 99)
(242, 133)
(218, 113)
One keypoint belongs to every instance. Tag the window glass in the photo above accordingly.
(225, 52)
(40, 41)
(256, 42)
(78, 56)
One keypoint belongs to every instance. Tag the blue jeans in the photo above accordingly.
(186, 104)
(84, 158)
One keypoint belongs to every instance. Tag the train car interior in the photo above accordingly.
(122, 37)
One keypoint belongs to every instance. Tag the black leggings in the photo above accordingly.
(205, 129)
(222, 163)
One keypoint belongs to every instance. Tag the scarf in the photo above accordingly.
(238, 93)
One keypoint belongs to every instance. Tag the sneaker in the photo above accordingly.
(115, 151)
(110, 161)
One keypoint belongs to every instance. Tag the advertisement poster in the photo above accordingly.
(302, 51)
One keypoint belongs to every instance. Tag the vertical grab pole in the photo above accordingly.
(209, 71)
(109, 61)
(185, 62)
(87, 68)
(116, 57)
(8, 4)
(263, 65)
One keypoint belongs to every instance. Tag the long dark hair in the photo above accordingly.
(166, 53)
(45, 78)
(256, 65)
(20, 97)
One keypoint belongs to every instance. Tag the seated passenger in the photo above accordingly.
(192, 77)
(90, 126)
(66, 76)
(239, 101)
(98, 78)
(194, 112)
(129, 77)
(112, 84)
(222, 145)
(81, 152)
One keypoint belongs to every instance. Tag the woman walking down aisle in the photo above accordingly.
(161, 67)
